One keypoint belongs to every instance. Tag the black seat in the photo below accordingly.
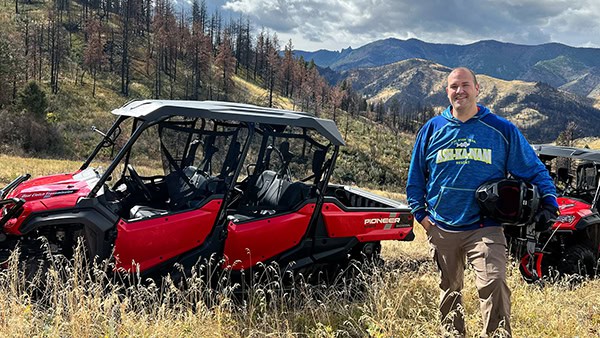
(257, 192)
(267, 189)
(184, 188)
(294, 194)
(272, 194)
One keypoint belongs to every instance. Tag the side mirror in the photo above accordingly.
(108, 141)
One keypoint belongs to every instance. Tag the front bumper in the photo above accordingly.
(11, 208)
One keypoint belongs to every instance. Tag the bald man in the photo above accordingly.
(455, 153)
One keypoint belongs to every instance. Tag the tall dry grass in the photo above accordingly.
(12, 166)
(398, 299)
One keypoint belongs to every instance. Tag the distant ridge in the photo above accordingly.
(540, 110)
(577, 69)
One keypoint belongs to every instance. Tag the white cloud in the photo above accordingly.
(335, 24)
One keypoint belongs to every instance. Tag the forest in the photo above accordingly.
(141, 49)
(66, 64)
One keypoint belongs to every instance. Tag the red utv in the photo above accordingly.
(195, 180)
(572, 246)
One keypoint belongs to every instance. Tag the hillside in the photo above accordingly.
(577, 69)
(182, 58)
(52, 116)
(540, 110)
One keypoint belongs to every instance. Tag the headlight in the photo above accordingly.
(565, 219)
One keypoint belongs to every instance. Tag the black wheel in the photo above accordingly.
(34, 271)
(367, 253)
(363, 262)
(578, 259)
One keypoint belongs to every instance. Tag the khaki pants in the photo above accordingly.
(485, 251)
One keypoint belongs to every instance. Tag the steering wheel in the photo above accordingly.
(139, 183)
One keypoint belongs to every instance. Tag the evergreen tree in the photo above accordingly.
(566, 137)
(33, 100)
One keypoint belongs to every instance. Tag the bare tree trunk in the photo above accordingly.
(271, 87)
(125, 52)
(94, 85)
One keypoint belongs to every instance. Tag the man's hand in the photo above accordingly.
(427, 224)
(545, 217)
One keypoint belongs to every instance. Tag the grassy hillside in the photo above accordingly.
(376, 156)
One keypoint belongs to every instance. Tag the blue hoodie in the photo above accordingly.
(451, 159)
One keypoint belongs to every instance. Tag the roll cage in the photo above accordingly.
(576, 171)
(193, 134)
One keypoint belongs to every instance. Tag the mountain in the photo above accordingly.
(540, 110)
(323, 58)
(577, 69)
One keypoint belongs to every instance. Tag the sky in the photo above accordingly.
(337, 24)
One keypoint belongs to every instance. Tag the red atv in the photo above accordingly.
(195, 180)
(572, 246)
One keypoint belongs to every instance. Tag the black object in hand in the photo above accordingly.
(545, 217)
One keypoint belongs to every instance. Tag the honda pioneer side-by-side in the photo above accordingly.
(199, 179)
(572, 245)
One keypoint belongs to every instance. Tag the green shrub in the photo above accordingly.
(32, 99)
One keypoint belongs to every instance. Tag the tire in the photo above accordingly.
(364, 261)
(578, 260)
(35, 276)
(367, 254)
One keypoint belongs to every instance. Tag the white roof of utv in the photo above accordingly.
(569, 152)
(155, 110)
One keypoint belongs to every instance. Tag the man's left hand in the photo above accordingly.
(545, 217)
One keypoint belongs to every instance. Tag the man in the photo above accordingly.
(455, 153)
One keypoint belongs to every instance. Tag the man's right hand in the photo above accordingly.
(427, 224)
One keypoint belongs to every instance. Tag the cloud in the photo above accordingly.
(333, 24)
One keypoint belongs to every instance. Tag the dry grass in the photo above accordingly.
(12, 166)
(589, 142)
(259, 96)
(400, 300)
(384, 95)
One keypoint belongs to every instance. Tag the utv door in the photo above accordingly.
(154, 241)
(170, 211)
